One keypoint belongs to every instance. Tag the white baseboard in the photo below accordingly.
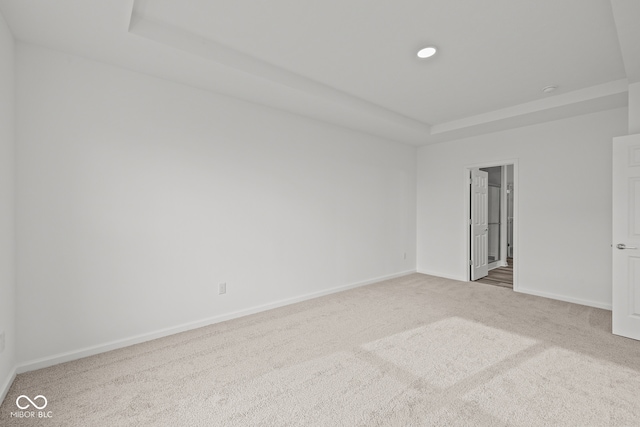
(137, 339)
(4, 388)
(549, 295)
(564, 298)
(446, 276)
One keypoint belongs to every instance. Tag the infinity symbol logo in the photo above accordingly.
(21, 397)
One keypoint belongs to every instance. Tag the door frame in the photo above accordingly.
(516, 214)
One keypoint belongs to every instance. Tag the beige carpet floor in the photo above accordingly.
(417, 350)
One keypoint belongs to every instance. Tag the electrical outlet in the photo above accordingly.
(1, 341)
(222, 288)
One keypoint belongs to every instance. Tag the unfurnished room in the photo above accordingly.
(319, 213)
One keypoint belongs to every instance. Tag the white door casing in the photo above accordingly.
(479, 223)
(626, 236)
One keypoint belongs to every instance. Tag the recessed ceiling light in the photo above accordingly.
(549, 89)
(427, 52)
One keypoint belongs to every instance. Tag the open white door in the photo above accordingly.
(626, 236)
(479, 223)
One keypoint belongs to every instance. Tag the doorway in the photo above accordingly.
(491, 194)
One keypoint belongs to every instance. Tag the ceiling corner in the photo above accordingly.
(626, 14)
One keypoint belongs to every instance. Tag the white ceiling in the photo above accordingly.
(353, 63)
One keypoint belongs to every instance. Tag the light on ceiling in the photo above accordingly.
(549, 89)
(427, 52)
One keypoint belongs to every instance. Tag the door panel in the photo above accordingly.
(634, 277)
(479, 223)
(626, 236)
(634, 196)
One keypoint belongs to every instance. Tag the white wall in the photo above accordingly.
(137, 196)
(7, 239)
(564, 221)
